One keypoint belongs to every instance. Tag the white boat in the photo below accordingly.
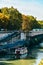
(22, 50)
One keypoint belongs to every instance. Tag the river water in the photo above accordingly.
(39, 57)
(36, 53)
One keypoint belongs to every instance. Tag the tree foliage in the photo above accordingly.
(29, 22)
(12, 19)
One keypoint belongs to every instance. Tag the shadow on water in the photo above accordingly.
(3, 63)
(32, 54)
(29, 55)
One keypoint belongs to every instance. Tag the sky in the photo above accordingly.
(27, 7)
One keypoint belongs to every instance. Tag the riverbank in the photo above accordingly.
(18, 62)
(41, 63)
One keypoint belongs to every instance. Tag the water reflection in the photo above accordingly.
(19, 56)
(13, 57)
(17, 53)
(39, 57)
(41, 44)
(34, 53)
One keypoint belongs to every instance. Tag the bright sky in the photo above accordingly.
(28, 7)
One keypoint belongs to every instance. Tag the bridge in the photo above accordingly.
(5, 36)
(34, 38)
(35, 32)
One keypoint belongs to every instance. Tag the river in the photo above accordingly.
(36, 53)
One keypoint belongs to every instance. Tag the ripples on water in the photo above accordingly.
(35, 53)
(39, 57)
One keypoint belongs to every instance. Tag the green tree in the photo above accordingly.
(25, 23)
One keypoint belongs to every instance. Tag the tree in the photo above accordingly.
(40, 22)
(3, 20)
(25, 23)
(12, 19)
(33, 22)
